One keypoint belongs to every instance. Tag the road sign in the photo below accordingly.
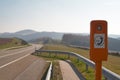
(98, 45)
(98, 41)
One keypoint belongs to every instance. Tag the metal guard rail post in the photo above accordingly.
(109, 75)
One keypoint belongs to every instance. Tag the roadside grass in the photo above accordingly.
(113, 63)
(82, 52)
(56, 74)
(15, 43)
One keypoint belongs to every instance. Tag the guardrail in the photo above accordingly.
(49, 72)
(109, 75)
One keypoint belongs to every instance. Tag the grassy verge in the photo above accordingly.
(11, 42)
(56, 74)
(113, 62)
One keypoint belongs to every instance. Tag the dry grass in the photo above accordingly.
(14, 43)
(113, 63)
(56, 75)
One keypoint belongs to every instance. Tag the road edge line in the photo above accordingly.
(13, 61)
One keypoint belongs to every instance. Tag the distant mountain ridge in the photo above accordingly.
(28, 35)
(114, 36)
(118, 38)
(25, 32)
(80, 39)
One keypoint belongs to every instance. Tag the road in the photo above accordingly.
(19, 64)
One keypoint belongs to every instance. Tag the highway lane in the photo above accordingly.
(14, 62)
(14, 55)
(10, 55)
(5, 52)
(34, 71)
(11, 71)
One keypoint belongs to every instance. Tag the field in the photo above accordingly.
(113, 62)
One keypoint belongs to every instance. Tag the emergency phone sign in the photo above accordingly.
(98, 45)
(98, 40)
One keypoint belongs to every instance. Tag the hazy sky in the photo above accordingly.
(58, 15)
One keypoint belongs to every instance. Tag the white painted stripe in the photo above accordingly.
(14, 53)
(14, 61)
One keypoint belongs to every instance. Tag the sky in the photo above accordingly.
(72, 16)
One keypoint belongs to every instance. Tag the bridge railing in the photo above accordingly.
(109, 75)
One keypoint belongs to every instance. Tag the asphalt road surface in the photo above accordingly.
(19, 64)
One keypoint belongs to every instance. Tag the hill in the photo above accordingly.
(83, 41)
(118, 38)
(78, 40)
(25, 32)
(114, 36)
(114, 44)
(11, 42)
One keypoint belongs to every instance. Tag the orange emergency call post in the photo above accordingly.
(98, 44)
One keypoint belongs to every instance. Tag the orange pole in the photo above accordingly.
(98, 68)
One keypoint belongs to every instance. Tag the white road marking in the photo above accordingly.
(13, 61)
(14, 53)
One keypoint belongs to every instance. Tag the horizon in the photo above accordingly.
(61, 32)
(66, 16)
